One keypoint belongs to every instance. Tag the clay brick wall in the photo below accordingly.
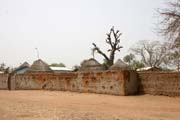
(105, 82)
(160, 83)
(131, 82)
(3, 81)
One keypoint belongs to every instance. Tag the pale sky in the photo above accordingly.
(64, 30)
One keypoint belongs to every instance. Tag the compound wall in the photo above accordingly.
(160, 83)
(4, 81)
(105, 82)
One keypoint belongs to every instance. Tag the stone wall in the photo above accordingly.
(4, 81)
(105, 82)
(160, 83)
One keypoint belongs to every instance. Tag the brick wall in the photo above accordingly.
(105, 82)
(160, 83)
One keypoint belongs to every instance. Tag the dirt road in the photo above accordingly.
(57, 105)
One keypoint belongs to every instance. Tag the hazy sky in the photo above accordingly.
(63, 30)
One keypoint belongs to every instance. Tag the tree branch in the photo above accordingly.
(99, 51)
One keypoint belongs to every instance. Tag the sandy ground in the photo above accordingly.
(57, 105)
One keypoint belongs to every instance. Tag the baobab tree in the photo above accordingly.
(113, 40)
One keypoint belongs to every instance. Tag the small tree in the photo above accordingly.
(113, 40)
(137, 64)
(129, 58)
(133, 62)
(2, 66)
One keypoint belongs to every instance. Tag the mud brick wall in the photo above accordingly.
(131, 82)
(105, 82)
(4, 81)
(160, 83)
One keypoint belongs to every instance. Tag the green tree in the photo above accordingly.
(58, 65)
(137, 64)
(129, 58)
(2, 66)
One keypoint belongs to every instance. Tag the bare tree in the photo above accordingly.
(151, 53)
(170, 24)
(113, 39)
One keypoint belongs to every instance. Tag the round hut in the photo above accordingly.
(120, 65)
(39, 66)
(90, 65)
(23, 68)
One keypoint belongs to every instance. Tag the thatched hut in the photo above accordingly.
(23, 68)
(120, 65)
(39, 66)
(90, 65)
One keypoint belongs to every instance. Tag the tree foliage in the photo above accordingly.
(129, 58)
(58, 65)
(137, 64)
(113, 40)
(2, 66)
(133, 62)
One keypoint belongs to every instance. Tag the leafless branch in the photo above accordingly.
(113, 39)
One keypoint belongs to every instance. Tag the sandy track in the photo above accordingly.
(57, 105)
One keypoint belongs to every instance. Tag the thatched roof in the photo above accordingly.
(90, 64)
(39, 66)
(25, 65)
(120, 65)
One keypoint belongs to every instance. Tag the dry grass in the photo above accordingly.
(57, 105)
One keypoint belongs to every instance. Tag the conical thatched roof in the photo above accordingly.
(39, 66)
(120, 65)
(90, 64)
(24, 66)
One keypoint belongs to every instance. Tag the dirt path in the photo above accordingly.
(57, 105)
